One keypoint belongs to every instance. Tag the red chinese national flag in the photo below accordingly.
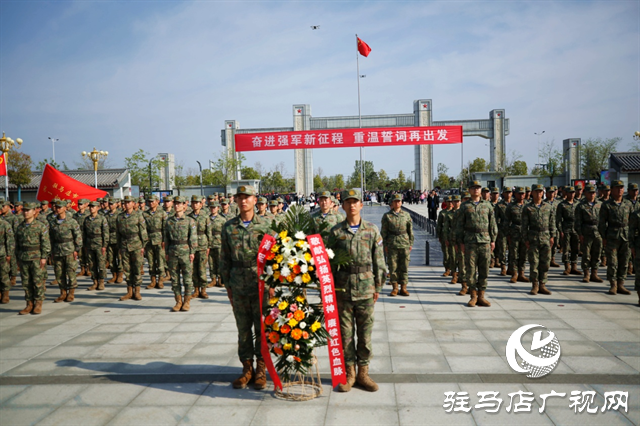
(3, 165)
(363, 48)
(56, 185)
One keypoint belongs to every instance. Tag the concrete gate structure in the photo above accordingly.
(496, 128)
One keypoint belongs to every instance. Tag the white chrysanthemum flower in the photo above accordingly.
(298, 280)
(304, 268)
(302, 325)
(330, 253)
(285, 272)
(308, 310)
(288, 243)
(269, 270)
(312, 261)
(305, 246)
(290, 358)
(300, 235)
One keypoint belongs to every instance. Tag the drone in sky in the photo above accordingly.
(315, 27)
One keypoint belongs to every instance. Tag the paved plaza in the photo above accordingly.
(99, 361)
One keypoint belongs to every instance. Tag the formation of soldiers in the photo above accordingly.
(488, 228)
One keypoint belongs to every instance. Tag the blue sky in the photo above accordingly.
(163, 76)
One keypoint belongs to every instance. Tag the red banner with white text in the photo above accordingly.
(56, 185)
(349, 138)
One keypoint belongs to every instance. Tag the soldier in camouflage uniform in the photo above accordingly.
(224, 209)
(114, 258)
(551, 199)
(240, 241)
(477, 229)
(604, 196)
(96, 240)
(538, 226)
(565, 221)
(273, 209)
(324, 214)
(446, 260)
(494, 197)
(131, 234)
(501, 220)
(262, 209)
(32, 249)
(634, 242)
(397, 237)
(13, 220)
(66, 243)
(448, 231)
(516, 238)
(155, 219)
(80, 216)
(7, 247)
(203, 229)
(587, 214)
(613, 225)
(359, 286)
(458, 244)
(217, 222)
(181, 244)
(632, 195)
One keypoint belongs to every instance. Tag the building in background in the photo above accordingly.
(168, 172)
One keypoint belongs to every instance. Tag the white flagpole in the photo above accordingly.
(359, 116)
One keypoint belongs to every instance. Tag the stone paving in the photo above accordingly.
(99, 361)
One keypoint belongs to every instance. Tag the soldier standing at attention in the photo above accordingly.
(613, 225)
(493, 199)
(587, 214)
(32, 249)
(448, 230)
(460, 259)
(446, 260)
(66, 243)
(217, 222)
(241, 237)
(13, 220)
(501, 221)
(538, 224)
(203, 229)
(565, 220)
(96, 240)
(578, 195)
(7, 247)
(477, 230)
(325, 214)
(180, 243)
(131, 238)
(634, 242)
(155, 220)
(273, 208)
(551, 199)
(114, 259)
(262, 208)
(360, 284)
(81, 215)
(516, 238)
(397, 237)
(632, 195)
(224, 206)
(167, 205)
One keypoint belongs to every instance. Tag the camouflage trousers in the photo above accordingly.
(477, 258)
(453, 260)
(461, 264)
(591, 249)
(501, 249)
(214, 262)
(83, 257)
(356, 319)
(155, 256)
(180, 267)
(114, 258)
(97, 264)
(398, 262)
(66, 269)
(555, 245)
(5, 272)
(132, 262)
(517, 253)
(200, 269)
(570, 247)
(446, 259)
(33, 279)
(617, 252)
(246, 310)
(636, 267)
(539, 259)
(13, 270)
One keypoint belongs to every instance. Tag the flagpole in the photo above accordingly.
(359, 116)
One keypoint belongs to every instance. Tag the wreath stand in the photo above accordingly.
(299, 387)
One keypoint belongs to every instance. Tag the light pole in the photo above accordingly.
(95, 156)
(5, 145)
(636, 136)
(538, 134)
(201, 189)
(53, 145)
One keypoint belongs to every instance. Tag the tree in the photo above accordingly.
(317, 183)
(41, 164)
(370, 176)
(383, 180)
(225, 167)
(507, 167)
(141, 174)
(250, 173)
(19, 170)
(442, 180)
(180, 180)
(475, 166)
(552, 158)
(85, 163)
(519, 168)
(595, 155)
(339, 182)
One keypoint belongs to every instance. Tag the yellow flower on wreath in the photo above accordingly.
(275, 266)
(300, 298)
(300, 243)
(283, 234)
(293, 322)
(279, 258)
(276, 274)
(283, 305)
(314, 327)
(287, 346)
(273, 301)
(290, 278)
(307, 256)
(306, 278)
(275, 248)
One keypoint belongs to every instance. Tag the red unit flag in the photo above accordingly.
(363, 48)
(56, 185)
(3, 165)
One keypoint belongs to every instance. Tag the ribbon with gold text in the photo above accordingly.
(265, 246)
(331, 320)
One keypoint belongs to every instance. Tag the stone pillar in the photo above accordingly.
(423, 153)
(571, 158)
(228, 140)
(303, 158)
(497, 143)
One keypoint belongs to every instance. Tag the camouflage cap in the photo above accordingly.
(519, 190)
(475, 184)
(495, 190)
(213, 204)
(94, 204)
(128, 198)
(262, 200)
(246, 190)
(447, 198)
(153, 197)
(569, 189)
(100, 200)
(179, 199)
(615, 183)
(273, 203)
(224, 201)
(44, 203)
(168, 198)
(31, 206)
(141, 199)
(632, 186)
(527, 188)
(553, 188)
(457, 197)
(485, 189)
(280, 200)
(114, 200)
(465, 194)
(590, 188)
(397, 197)
(83, 201)
(578, 186)
(326, 194)
(196, 199)
(211, 197)
(19, 203)
(506, 189)
(61, 203)
(351, 193)
(605, 187)
(537, 187)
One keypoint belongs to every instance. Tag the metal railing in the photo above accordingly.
(423, 222)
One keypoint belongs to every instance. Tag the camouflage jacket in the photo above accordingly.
(586, 218)
(7, 242)
(96, 232)
(439, 225)
(634, 203)
(501, 217)
(203, 229)
(365, 249)
(65, 235)
(565, 217)
(538, 222)
(613, 222)
(113, 229)
(32, 241)
(476, 223)
(397, 230)
(217, 222)
(331, 219)
(131, 232)
(513, 218)
(180, 236)
(447, 225)
(80, 217)
(634, 231)
(155, 225)
(12, 220)
(239, 252)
